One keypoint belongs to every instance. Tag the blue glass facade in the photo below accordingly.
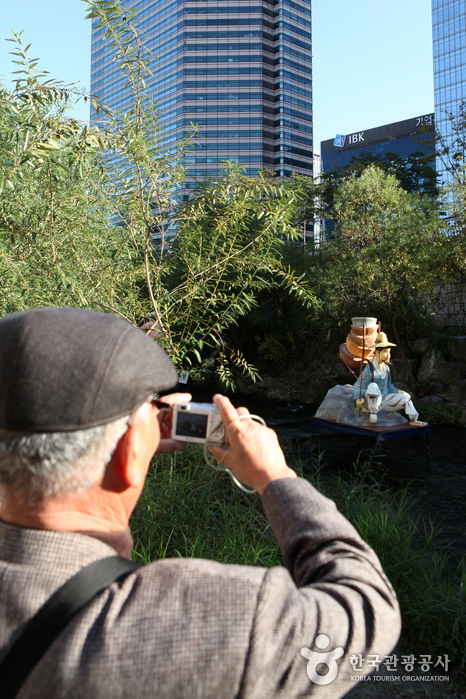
(402, 137)
(242, 72)
(449, 44)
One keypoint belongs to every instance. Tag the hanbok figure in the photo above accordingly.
(377, 391)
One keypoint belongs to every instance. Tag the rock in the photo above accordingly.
(427, 371)
(404, 387)
(307, 386)
(456, 392)
(462, 420)
(457, 348)
(434, 388)
(431, 400)
(398, 369)
(419, 345)
(450, 371)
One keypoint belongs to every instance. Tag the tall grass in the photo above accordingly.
(429, 579)
(443, 414)
(189, 510)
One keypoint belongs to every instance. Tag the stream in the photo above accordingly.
(439, 482)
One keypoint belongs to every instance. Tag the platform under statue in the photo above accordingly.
(373, 400)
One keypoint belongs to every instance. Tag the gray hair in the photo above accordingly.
(36, 466)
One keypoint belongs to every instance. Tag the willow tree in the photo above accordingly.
(57, 243)
(89, 215)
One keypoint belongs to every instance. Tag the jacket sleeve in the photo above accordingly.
(391, 388)
(333, 586)
(366, 379)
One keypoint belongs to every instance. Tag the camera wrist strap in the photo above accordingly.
(46, 625)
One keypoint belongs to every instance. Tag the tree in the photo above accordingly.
(57, 245)
(416, 173)
(89, 216)
(230, 247)
(451, 150)
(390, 248)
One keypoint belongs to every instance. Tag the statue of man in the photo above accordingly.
(378, 392)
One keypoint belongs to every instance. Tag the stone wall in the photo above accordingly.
(439, 380)
(447, 305)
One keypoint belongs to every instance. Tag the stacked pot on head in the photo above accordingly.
(362, 337)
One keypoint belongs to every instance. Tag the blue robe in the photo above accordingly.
(381, 378)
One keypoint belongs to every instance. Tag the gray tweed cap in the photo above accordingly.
(65, 369)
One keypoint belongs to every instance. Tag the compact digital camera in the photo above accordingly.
(198, 422)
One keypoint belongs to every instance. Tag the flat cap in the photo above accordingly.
(66, 369)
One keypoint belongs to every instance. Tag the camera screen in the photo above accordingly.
(192, 425)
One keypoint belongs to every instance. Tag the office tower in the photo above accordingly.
(242, 72)
(404, 138)
(449, 44)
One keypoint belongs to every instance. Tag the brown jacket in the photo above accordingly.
(200, 629)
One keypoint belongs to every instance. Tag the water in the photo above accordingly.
(439, 482)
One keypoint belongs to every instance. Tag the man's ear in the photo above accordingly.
(131, 458)
(133, 467)
(116, 472)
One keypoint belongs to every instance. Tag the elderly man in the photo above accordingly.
(78, 429)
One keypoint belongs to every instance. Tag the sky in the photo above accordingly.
(372, 60)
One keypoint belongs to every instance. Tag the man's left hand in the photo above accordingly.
(166, 444)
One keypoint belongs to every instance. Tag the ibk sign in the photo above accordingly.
(353, 138)
(356, 138)
(380, 134)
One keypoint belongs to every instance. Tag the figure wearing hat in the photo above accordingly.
(378, 392)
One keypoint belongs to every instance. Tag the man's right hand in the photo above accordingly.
(255, 456)
(359, 403)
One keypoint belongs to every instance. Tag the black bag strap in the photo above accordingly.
(54, 615)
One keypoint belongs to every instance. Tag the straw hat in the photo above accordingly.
(382, 342)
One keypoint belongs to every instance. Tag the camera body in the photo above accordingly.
(199, 423)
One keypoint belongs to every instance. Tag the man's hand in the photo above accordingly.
(255, 456)
(359, 403)
(166, 444)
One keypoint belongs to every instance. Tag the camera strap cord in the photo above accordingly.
(222, 467)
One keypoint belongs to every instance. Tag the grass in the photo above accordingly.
(443, 413)
(189, 510)
(429, 580)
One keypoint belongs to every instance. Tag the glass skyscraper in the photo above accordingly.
(242, 72)
(449, 43)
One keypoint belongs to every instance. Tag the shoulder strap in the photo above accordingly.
(54, 615)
